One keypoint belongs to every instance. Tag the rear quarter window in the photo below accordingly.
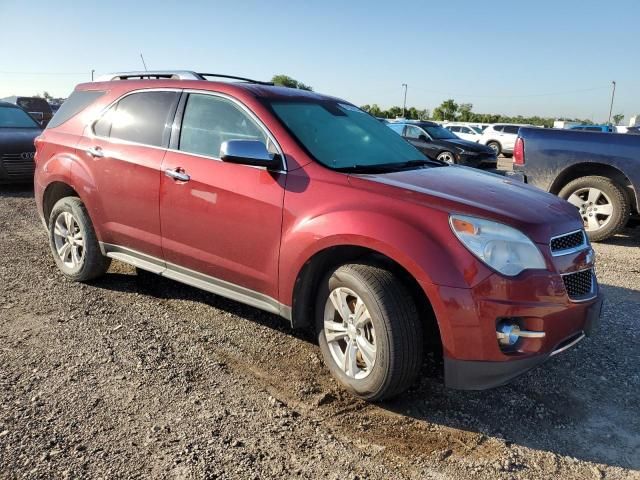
(78, 101)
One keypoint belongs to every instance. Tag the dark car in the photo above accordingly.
(598, 174)
(439, 143)
(633, 130)
(17, 133)
(308, 207)
(37, 107)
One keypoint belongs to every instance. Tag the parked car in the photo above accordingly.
(500, 137)
(633, 130)
(598, 174)
(17, 133)
(594, 128)
(305, 206)
(37, 107)
(439, 143)
(465, 132)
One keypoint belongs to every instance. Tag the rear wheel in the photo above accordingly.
(495, 146)
(73, 241)
(369, 331)
(602, 203)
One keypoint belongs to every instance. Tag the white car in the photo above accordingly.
(466, 132)
(501, 137)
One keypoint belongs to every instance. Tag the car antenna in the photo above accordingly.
(143, 63)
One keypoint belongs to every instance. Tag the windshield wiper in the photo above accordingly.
(391, 167)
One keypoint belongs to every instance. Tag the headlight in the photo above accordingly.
(505, 249)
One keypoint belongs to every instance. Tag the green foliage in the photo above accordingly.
(287, 81)
(411, 113)
(446, 111)
(617, 118)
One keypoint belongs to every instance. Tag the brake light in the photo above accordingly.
(518, 152)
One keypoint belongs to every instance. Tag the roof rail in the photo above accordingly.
(171, 75)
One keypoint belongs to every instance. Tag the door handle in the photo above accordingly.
(95, 152)
(177, 174)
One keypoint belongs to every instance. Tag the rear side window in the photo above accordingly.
(454, 129)
(209, 121)
(143, 117)
(511, 129)
(78, 101)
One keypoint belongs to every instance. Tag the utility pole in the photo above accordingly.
(92, 72)
(613, 94)
(404, 104)
(143, 63)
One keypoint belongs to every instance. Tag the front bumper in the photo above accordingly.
(480, 375)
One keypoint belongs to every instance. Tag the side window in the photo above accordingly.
(454, 129)
(498, 128)
(513, 129)
(396, 127)
(414, 132)
(209, 121)
(78, 101)
(143, 117)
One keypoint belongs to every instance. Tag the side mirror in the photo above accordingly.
(248, 152)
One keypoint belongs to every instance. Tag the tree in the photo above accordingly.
(464, 112)
(617, 118)
(446, 111)
(287, 81)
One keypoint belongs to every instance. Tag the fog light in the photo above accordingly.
(509, 333)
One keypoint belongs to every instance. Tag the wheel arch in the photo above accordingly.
(585, 169)
(328, 259)
(55, 191)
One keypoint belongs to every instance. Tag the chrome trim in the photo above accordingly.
(594, 284)
(260, 124)
(569, 251)
(568, 345)
(197, 279)
(177, 175)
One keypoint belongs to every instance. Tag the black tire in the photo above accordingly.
(398, 331)
(447, 157)
(616, 195)
(92, 263)
(496, 147)
(507, 155)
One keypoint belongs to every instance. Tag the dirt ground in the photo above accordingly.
(141, 377)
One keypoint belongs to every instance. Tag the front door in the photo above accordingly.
(220, 220)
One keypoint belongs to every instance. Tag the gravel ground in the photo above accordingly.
(137, 377)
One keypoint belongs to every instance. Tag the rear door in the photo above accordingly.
(123, 151)
(509, 137)
(221, 222)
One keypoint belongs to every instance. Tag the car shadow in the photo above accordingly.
(582, 403)
(629, 237)
(16, 191)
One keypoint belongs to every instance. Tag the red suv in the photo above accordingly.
(303, 205)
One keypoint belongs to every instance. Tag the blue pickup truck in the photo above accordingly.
(599, 174)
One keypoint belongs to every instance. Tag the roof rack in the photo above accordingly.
(171, 75)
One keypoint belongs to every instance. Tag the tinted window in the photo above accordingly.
(78, 101)
(497, 128)
(396, 127)
(511, 129)
(34, 104)
(209, 121)
(15, 118)
(454, 129)
(413, 132)
(143, 117)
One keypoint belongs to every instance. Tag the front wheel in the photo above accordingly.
(602, 203)
(495, 146)
(368, 330)
(73, 241)
(447, 157)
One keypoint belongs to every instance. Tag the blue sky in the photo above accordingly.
(551, 58)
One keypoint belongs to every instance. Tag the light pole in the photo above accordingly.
(92, 72)
(613, 94)
(404, 103)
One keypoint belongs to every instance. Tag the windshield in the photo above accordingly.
(341, 136)
(440, 133)
(15, 118)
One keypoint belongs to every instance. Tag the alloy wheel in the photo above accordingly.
(594, 205)
(68, 240)
(349, 332)
(447, 157)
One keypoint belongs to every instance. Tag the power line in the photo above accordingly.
(566, 92)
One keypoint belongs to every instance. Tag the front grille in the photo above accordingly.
(16, 166)
(568, 241)
(579, 284)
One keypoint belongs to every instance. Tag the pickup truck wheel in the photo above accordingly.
(73, 241)
(447, 157)
(495, 146)
(602, 203)
(368, 330)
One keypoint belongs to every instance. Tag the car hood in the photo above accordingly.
(469, 191)
(466, 144)
(17, 140)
